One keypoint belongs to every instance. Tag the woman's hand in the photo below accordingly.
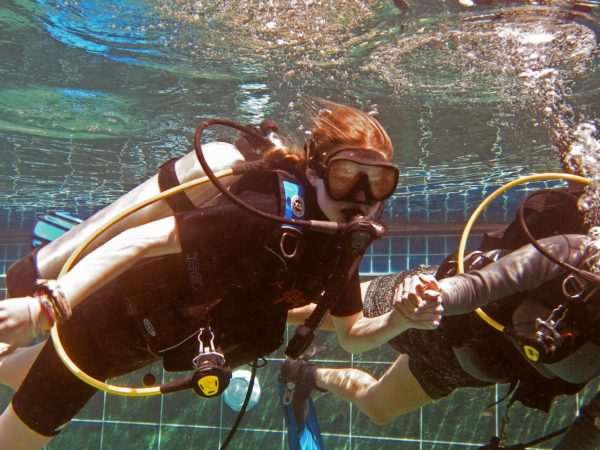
(20, 320)
(419, 301)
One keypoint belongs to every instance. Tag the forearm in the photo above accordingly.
(116, 256)
(521, 271)
(359, 334)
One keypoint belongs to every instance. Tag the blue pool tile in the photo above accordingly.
(455, 215)
(365, 265)
(399, 245)
(381, 264)
(416, 260)
(381, 246)
(452, 243)
(13, 252)
(437, 215)
(398, 263)
(436, 259)
(437, 244)
(456, 201)
(496, 212)
(418, 244)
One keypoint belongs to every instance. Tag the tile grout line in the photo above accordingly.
(421, 428)
(160, 417)
(102, 428)
(351, 409)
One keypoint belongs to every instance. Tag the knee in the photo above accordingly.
(380, 419)
(377, 411)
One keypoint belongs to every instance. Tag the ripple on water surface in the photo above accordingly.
(67, 113)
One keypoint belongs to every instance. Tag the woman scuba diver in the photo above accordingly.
(216, 277)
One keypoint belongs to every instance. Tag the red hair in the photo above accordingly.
(335, 125)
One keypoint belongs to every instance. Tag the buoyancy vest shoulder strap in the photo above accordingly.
(290, 191)
(167, 179)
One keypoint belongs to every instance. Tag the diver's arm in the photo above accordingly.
(22, 318)
(357, 333)
(116, 256)
(220, 156)
(520, 271)
(297, 316)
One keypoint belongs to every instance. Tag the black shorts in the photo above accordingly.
(100, 338)
(432, 362)
(431, 356)
(21, 276)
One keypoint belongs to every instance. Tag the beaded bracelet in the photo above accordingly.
(50, 291)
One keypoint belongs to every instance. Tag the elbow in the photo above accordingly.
(345, 343)
(348, 348)
(379, 415)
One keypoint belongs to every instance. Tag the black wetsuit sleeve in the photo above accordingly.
(349, 302)
(521, 271)
(227, 228)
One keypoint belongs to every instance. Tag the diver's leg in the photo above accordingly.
(15, 435)
(396, 392)
(15, 365)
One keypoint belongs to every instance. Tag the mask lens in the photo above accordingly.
(382, 181)
(343, 176)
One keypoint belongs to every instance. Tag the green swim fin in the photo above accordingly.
(51, 226)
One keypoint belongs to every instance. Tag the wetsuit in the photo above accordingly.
(232, 271)
(466, 352)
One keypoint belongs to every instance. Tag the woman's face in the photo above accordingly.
(341, 211)
(358, 202)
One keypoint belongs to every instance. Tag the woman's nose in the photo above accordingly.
(360, 196)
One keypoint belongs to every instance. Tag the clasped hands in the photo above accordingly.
(418, 300)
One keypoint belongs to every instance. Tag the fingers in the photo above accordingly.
(418, 300)
(430, 282)
(416, 290)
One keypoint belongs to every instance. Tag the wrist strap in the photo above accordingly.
(49, 291)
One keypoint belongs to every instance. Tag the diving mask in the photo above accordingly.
(349, 171)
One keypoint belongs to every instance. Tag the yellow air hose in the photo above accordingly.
(112, 389)
(485, 203)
